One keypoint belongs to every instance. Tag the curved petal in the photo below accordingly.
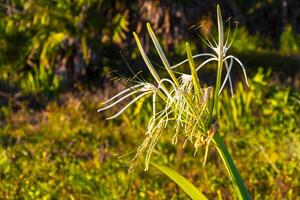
(195, 56)
(129, 104)
(206, 62)
(241, 65)
(123, 92)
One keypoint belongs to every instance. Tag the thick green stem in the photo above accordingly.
(218, 85)
(220, 60)
(217, 139)
(231, 168)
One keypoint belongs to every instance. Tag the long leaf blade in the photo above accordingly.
(162, 54)
(182, 182)
(146, 59)
(194, 74)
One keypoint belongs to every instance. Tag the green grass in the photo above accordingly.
(68, 150)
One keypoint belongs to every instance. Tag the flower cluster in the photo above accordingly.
(184, 104)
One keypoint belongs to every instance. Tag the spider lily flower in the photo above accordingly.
(220, 52)
(183, 104)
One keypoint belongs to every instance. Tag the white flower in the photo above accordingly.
(217, 48)
(184, 104)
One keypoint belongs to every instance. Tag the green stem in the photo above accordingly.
(235, 177)
(218, 85)
(237, 180)
(220, 61)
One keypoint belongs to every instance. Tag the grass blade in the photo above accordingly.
(182, 182)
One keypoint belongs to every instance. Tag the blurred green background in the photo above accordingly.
(59, 59)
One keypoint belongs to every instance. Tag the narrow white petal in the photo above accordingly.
(119, 100)
(123, 92)
(206, 62)
(242, 66)
(160, 86)
(169, 81)
(195, 56)
(226, 77)
(129, 104)
(229, 77)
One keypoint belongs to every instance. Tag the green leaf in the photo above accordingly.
(182, 182)
(162, 54)
(194, 74)
(235, 176)
(145, 58)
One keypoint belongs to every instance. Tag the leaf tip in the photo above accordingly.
(187, 45)
(148, 25)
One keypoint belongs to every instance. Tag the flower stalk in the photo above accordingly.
(235, 177)
(220, 60)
